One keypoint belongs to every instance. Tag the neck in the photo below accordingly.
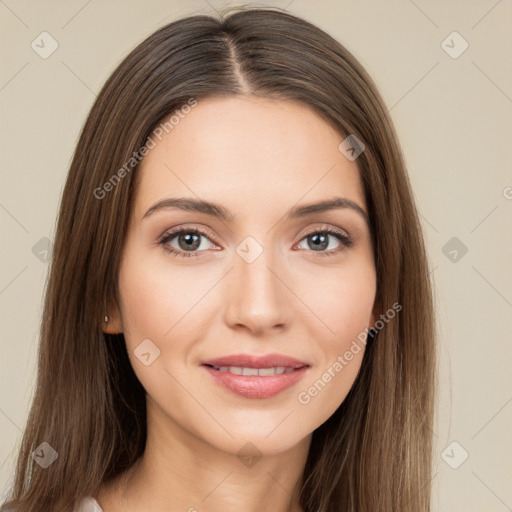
(180, 472)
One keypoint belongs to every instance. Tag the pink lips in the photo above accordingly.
(256, 386)
(248, 361)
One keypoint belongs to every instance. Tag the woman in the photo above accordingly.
(238, 313)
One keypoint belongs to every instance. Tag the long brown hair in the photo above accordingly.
(374, 452)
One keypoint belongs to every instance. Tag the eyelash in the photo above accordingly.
(167, 237)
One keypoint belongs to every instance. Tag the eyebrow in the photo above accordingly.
(218, 211)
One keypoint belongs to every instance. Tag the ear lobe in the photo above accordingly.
(374, 316)
(111, 329)
(371, 328)
(112, 323)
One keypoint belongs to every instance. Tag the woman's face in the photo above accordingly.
(265, 278)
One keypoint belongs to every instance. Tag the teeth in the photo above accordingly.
(250, 371)
(266, 371)
(263, 372)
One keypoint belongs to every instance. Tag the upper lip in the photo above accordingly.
(251, 361)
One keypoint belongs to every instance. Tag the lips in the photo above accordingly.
(248, 361)
(256, 376)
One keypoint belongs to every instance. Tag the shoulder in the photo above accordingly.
(89, 504)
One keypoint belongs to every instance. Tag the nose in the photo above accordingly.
(257, 296)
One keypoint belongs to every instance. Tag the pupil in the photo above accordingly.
(319, 244)
(189, 242)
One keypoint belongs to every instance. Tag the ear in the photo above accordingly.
(115, 323)
(374, 315)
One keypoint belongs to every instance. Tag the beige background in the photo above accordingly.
(454, 118)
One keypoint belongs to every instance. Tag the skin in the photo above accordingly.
(258, 158)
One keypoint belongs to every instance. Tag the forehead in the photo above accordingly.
(243, 151)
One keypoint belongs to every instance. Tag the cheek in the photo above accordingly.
(155, 297)
(342, 299)
(319, 398)
(353, 302)
(142, 303)
(344, 305)
(157, 304)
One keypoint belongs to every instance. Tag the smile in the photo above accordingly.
(262, 372)
(255, 382)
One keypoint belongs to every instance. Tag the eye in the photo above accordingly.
(319, 240)
(188, 240)
(189, 243)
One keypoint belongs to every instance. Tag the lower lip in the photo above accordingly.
(254, 386)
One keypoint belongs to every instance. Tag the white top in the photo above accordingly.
(89, 504)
